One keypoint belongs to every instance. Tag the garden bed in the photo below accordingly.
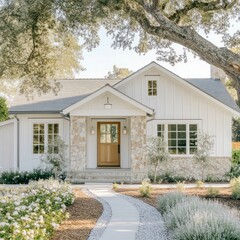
(84, 214)
(223, 197)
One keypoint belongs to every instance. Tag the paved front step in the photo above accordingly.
(106, 175)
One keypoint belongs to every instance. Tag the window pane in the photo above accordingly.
(41, 128)
(150, 92)
(182, 150)
(102, 138)
(192, 150)
(50, 128)
(182, 143)
(35, 128)
(193, 135)
(154, 84)
(172, 150)
(171, 127)
(171, 143)
(160, 127)
(102, 128)
(56, 128)
(150, 84)
(172, 135)
(154, 92)
(193, 143)
(35, 149)
(193, 127)
(181, 127)
(182, 135)
(108, 138)
(108, 128)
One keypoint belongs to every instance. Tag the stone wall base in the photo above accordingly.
(189, 169)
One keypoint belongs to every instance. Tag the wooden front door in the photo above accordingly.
(108, 144)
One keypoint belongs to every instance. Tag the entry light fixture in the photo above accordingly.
(107, 105)
(124, 130)
(92, 130)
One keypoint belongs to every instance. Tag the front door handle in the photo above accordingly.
(118, 148)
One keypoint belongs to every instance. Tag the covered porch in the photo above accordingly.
(108, 138)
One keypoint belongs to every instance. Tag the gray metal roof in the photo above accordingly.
(50, 106)
(216, 89)
(79, 89)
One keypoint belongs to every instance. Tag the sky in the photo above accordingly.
(100, 61)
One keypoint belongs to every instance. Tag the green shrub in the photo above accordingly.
(145, 190)
(16, 177)
(236, 157)
(194, 218)
(115, 186)
(199, 184)
(234, 172)
(212, 192)
(235, 187)
(169, 200)
(169, 177)
(181, 186)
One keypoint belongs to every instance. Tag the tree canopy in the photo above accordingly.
(3, 109)
(118, 73)
(37, 36)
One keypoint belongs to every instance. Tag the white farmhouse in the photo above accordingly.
(105, 123)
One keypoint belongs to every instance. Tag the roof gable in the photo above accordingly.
(205, 88)
(108, 88)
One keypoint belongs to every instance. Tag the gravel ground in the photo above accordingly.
(103, 221)
(151, 223)
(151, 226)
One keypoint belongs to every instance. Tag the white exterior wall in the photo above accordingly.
(8, 145)
(174, 101)
(27, 160)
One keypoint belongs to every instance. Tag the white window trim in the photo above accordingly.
(45, 122)
(151, 78)
(187, 122)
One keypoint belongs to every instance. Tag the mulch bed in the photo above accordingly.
(223, 197)
(84, 214)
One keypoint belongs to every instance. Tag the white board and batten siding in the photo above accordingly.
(176, 102)
(27, 159)
(8, 154)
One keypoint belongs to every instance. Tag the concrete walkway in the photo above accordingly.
(124, 220)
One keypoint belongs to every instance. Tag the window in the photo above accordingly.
(192, 138)
(152, 88)
(160, 130)
(180, 138)
(53, 131)
(38, 138)
(44, 136)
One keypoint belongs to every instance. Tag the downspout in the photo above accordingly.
(18, 149)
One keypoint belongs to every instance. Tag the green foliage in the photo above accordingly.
(212, 192)
(16, 177)
(3, 109)
(235, 188)
(145, 190)
(236, 130)
(157, 153)
(181, 186)
(234, 172)
(236, 157)
(36, 212)
(118, 73)
(169, 200)
(199, 184)
(169, 177)
(55, 159)
(204, 149)
(115, 186)
(195, 218)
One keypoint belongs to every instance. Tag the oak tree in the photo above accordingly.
(34, 35)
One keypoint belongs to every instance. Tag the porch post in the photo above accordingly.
(139, 166)
(78, 138)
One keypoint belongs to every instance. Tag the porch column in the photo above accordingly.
(78, 138)
(138, 128)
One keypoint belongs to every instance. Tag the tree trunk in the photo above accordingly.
(155, 23)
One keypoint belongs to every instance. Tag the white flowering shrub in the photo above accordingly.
(194, 218)
(35, 213)
(169, 200)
